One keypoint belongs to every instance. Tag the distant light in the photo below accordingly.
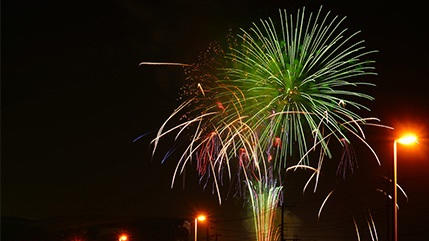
(201, 218)
(123, 237)
(408, 139)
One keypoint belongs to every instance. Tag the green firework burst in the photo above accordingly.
(294, 79)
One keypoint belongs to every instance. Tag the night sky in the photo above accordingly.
(74, 98)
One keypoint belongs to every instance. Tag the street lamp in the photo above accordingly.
(200, 218)
(407, 139)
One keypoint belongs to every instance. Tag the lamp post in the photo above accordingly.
(407, 139)
(200, 218)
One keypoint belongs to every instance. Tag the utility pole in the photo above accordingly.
(214, 230)
(207, 234)
(216, 236)
(282, 235)
(282, 225)
(389, 208)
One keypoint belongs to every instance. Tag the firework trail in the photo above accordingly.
(264, 199)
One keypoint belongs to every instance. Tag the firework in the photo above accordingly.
(277, 90)
(262, 104)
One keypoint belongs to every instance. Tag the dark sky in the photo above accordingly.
(74, 98)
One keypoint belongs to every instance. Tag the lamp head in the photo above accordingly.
(201, 218)
(408, 139)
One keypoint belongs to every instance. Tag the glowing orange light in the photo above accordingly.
(123, 237)
(407, 139)
(201, 218)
